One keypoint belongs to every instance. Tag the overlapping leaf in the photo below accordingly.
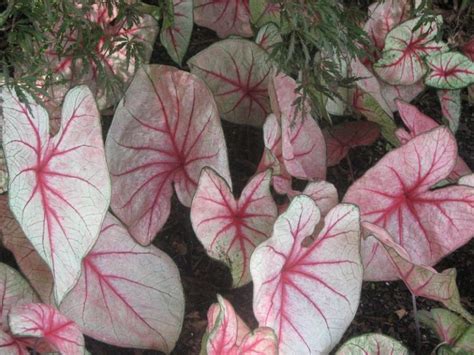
(177, 121)
(402, 61)
(176, 38)
(392, 93)
(268, 36)
(231, 229)
(264, 11)
(9, 345)
(302, 142)
(128, 295)
(372, 344)
(47, 324)
(59, 186)
(237, 71)
(448, 326)
(422, 281)
(228, 334)
(418, 123)
(15, 291)
(226, 17)
(450, 71)
(396, 195)
(308, 294)
(340, 139)
(323, 193)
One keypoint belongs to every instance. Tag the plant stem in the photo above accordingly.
(417, 324)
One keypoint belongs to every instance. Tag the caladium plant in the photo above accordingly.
(231, 229)
(237, 71)
(404, 50)
(429, 224)
(307, 276)
(47, 325)
(59, 189)
(226, 17)
(372, 344)
(176, 117)
(450, 101)
(137, 302)
(227, 334)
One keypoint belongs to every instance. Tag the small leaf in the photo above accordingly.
(341, 138)
(450, 101)
(447, 325)
(176, 118)
(231, 229)
(268, 36)
(237, 72)
(46, 323)
(263, 12)
(308, 294)
(372, 344)
(402, 61)
(450, 70)
(226, 17)
(60, 189)
(396, 195)
(176, 38)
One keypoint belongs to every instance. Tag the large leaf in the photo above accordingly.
(341, 138)
(308, 294)
(228, 334)
(230, 229)
(237, 72)
(176, 37)
(226, 17)
(47, 324)
(31, 265)
(396, 195)
(450, 70)
(15, 291)
(11, 346)
(176, 119)
(422, 281)
(372, 344)
(128, 295)
(402, 61)
(302, 142)
(59, 186)
(383, 17)
(418, 123)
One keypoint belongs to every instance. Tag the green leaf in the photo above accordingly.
(372, 344)
(450, 70)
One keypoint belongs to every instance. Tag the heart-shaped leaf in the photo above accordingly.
(268, 36)
(447, 325)
(230, 229)
(237, 72)
(48, 325)
(396, 195)
(11, 346)
(422, 281)
(341, 138)
(402, 61)
(450, 101)
(228, 334)
(176, 37)
(308, 294)
(15, 291)
(175, 116)
(372, 344)
(59, 186)
(303, 146)
(450, 70)
(418, 123)
(226, 17)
